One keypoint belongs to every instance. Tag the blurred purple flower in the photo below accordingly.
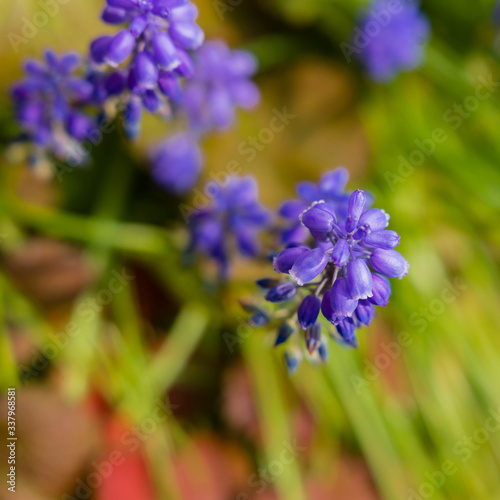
(177, 163)
(330, 189)
(48, 105)
(395, 34)
(232, 222)
(220, 84)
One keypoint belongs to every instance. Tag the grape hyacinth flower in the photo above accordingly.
(156, 42)
(331, 188)
(231, 223)
(177, 163)
(390, 38)
(339, 279)
(48, 106)
(220, 84)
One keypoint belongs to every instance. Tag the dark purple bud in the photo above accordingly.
(99, 48)
(340, 299)
(132, 118)
(138, 25)
(258, 318)
(120, 48)
(291, 209)
(189, 36)
(308, 311)
(165, 52)
(383, 239)
(292, 361)
(326, 308)
(381, 291)
(115, 83)
(389, 262)
(323, 350)
(313, 337)
(284, 333)
(186, 67)
(309, 265)
(80, 89)
(78, 125)
(169, 86)
(359, 279)
(376, 218)
(347, 331)
(122, 4)
(318, 218)
(284, 291)
(340, 253)
(146, 72)
(357, 202)
(365, 312)
(284, 261)
(150, 101)
(113, 15)
(162, 11)
(268, 282)
(361, 233)
(31, 113)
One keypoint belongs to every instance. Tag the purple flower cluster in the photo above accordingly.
(48, 105)
(232, 221)
(342, 275)
(155, 62)
(221, 83)
(396, 34)
(331, 188)
(158, 35)
(177, 162)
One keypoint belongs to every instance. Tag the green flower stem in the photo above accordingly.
(273, 413)
(369, 426)
(125, 237)
(175, 351)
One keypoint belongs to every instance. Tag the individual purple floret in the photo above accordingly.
(221, 83)
(341, 276)
(177, 162)
(231, 223)
(331, 188)
(156, 42)
(391, 37)
(48, 104)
